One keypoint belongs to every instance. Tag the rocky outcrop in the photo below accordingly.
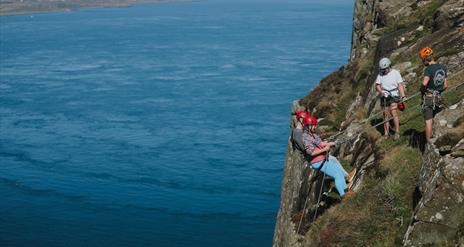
(369, 19)
(439, 216)
(292, 183)
(396, 29)
(300, 186)
(306, 192)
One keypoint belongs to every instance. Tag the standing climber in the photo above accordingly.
(433, 85)
(389, 84)
(318, 150)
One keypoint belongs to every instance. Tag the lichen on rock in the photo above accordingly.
(407, 193)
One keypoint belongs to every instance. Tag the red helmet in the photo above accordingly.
(310, 120)
(401, 106)
(302, 114)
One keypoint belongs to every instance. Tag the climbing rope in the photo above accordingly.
(381, 111)
(447, 91)
(320, 191)
(309, 191)
(333, 136)
(389, 119)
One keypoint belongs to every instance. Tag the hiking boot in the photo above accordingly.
(350, 176)
(397, 136)
(347, 194)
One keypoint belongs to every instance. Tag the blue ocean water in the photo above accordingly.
(157, 124)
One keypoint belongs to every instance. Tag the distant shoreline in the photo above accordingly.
(21, 8)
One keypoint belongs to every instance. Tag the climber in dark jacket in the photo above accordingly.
(297, 132)
(433, 85)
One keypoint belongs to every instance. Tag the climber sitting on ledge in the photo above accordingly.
(318, 150)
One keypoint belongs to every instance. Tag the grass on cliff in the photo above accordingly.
(421, 15)
(379, 213)
(360, 85)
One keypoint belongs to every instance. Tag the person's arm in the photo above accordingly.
(425, 82)
(310, 147)
(317, 152)
(299, 142)
(378, 86)
(401, 89)
(326, 143)
(308, 144)
(325, 148)
(400, 85)
(445, 85)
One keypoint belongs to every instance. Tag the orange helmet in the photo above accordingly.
(425, 52)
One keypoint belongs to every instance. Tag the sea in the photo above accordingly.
(156, 124)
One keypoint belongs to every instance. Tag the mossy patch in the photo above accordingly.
(421, 16)
(379, 213)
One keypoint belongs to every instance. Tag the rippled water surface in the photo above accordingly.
(158, 124)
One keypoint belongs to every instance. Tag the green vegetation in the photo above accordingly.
(420, 16)
(429, 9)
(359, 85)
(342, 106)
(346, 163)
(379, 213)
(14, 7)
(447, 52)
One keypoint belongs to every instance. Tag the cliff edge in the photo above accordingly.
(407, 193)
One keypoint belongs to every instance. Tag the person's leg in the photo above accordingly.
(316, 165)
(394, 112)
(334, 160)
(427, 111)
(340, 184)
(386, 125)
(333, 170)
(428, 129)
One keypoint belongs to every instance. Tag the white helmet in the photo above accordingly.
(384, 63)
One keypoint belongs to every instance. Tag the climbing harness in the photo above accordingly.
(386, 120)
(435, 96)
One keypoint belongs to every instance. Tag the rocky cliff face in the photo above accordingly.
(407, 193)
(439, 215)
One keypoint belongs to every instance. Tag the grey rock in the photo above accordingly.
(440, 212)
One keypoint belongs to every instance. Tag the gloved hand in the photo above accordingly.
(423, 89)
